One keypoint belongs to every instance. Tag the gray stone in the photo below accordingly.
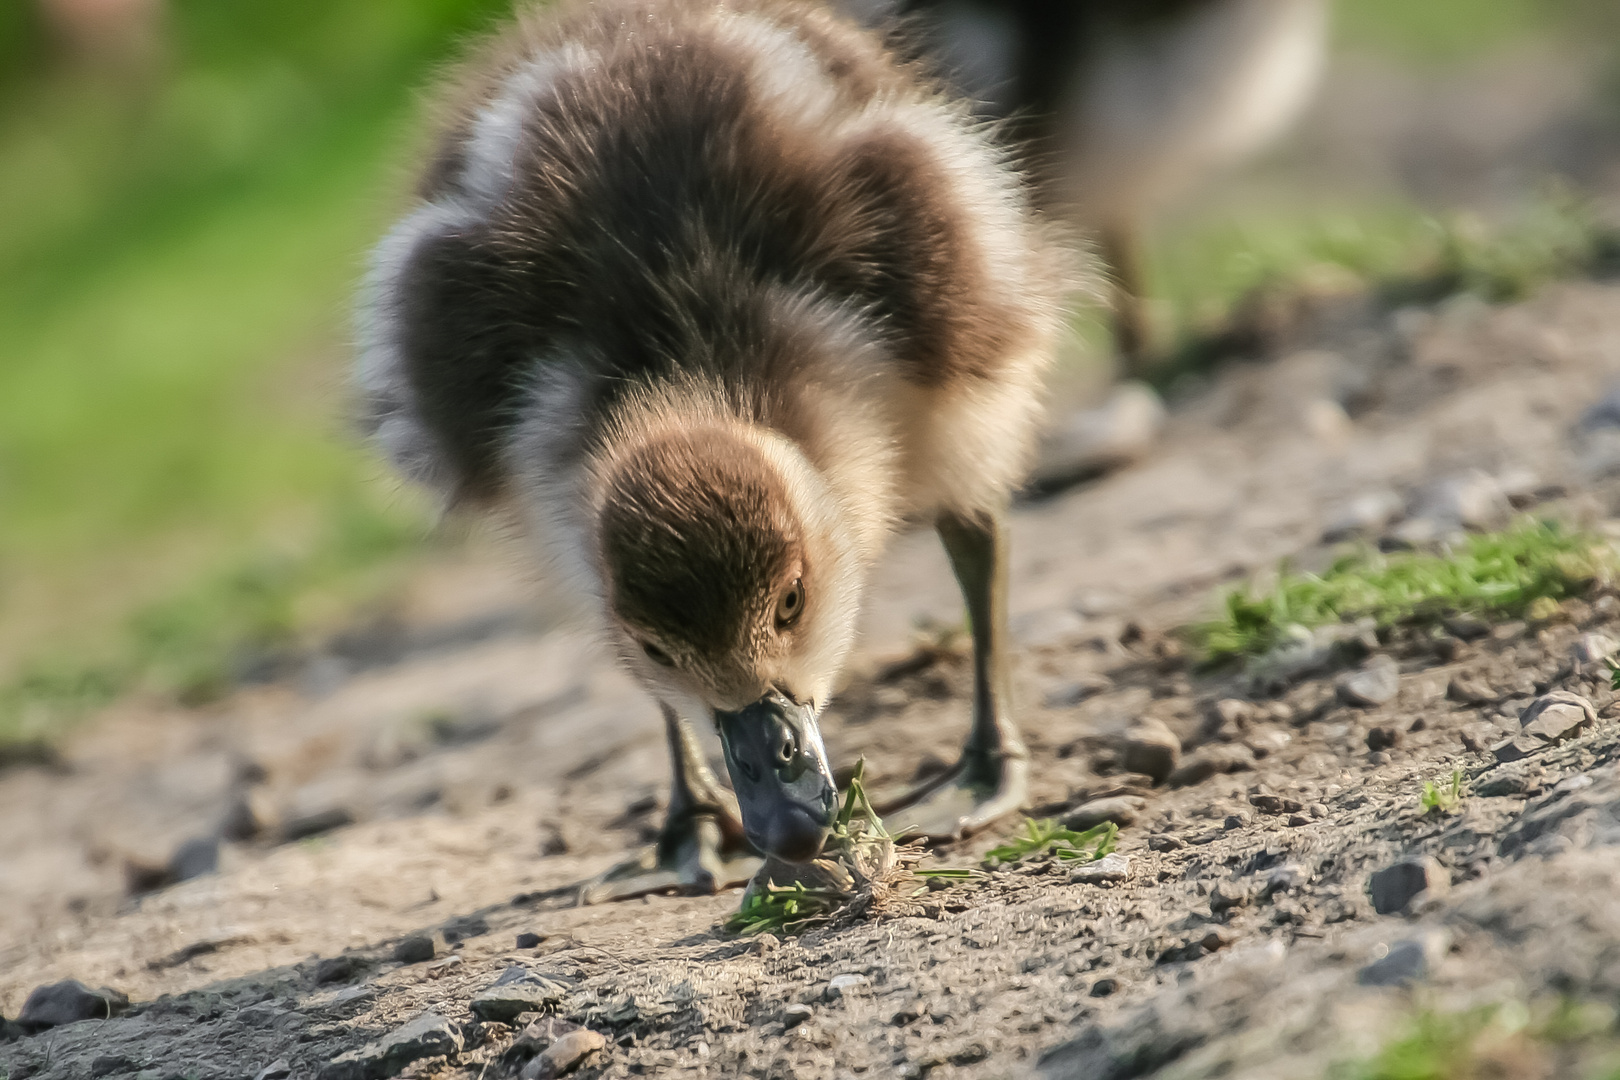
(107, 1064)
(429, 1035)
(1394, 888)
(1094, 441)
(1466, 626)
(1407, 961)
(1377, 683)
(67, 1002)
(1114, 867)
(414, 949)
(1557, 716)
(509, 998)
(278, 1069)
(194, 858)
(1122, 810)
(537, 1036)
(1384, 738)
(1468, 691)
(1151, 749)
(529, 940)
(1208, 761)
(796, 1014)
(336, 969)
(565, 1055)
(1517, 748)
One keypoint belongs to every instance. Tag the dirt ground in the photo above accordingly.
(485, 758)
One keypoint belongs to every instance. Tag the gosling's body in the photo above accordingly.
(1122, 105)
(711, 295)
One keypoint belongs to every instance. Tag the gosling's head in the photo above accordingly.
(731, 586)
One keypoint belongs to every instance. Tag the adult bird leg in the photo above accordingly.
(1121, 249)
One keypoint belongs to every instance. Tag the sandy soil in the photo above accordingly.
(488, 758)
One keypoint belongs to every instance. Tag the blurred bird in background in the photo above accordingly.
(1120, 106)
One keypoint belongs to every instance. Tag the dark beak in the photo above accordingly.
(779, 771)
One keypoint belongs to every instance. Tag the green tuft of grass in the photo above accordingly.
(1048, 837)
(784, 909)
(1502, 574)
(1566, 1037)
(1436, 1046)
(1443, 797)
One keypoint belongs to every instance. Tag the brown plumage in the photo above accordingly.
(711, 295)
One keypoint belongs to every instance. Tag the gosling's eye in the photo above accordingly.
(789, 605)
(657, 655)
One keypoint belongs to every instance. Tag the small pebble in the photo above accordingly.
(1122, 810)
(1104, 987)
(1394, 888)
(1377, 683)
(1557, 716)
(1150, 748)
(65, 1002)
(1384, 738)
(414, 949)
(529, 940)
(1114, 867)
(564, 1055)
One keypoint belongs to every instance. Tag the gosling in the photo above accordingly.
(710, 295)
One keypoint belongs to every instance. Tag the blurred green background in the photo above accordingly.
(187, 190)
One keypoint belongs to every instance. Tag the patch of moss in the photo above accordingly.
(1496, 574)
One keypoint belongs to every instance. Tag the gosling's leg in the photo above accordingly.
(701, 848)
(992, 776)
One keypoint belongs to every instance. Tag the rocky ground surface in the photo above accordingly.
(361, 868)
